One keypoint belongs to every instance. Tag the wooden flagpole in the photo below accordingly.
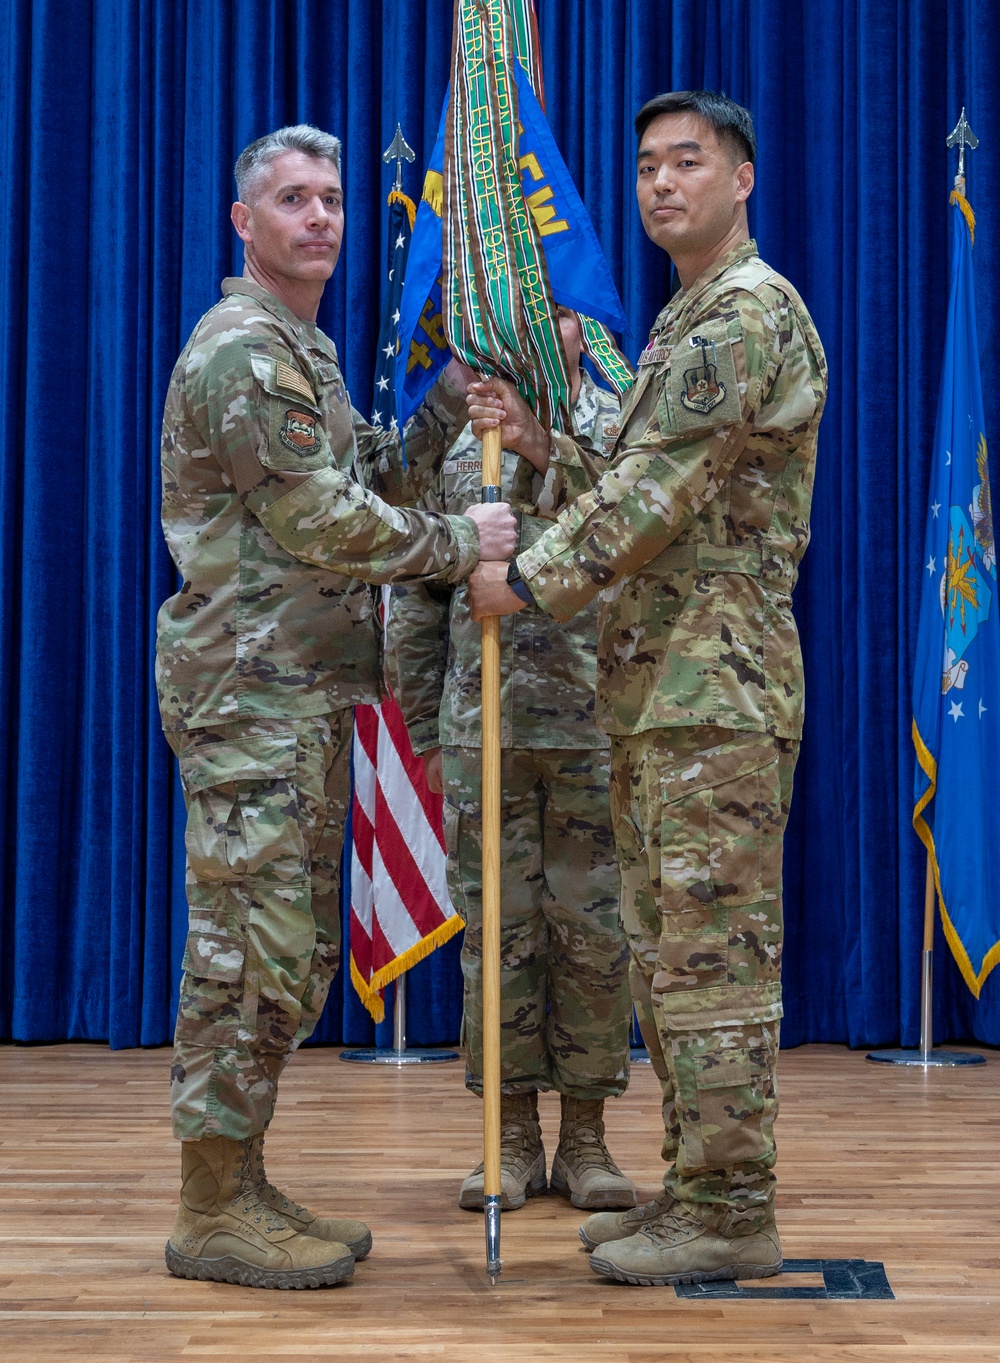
(491, 892)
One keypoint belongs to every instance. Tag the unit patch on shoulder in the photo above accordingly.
(703, 386)
(293, 382)
(298, 432)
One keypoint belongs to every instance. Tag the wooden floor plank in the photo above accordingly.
(891, 1165)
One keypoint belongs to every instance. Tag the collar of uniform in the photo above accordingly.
(238, 284)
(742, 251)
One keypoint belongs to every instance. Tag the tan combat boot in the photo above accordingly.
(522, 1159)
(582, 1169)
(694, 1243)
(338, 1230)
(605, 1226)
(225, 1234)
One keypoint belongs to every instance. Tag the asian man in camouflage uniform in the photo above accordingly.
(270, 516)
(565, 1005)
(693, 539)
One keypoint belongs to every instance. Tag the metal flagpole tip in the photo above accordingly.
(413, 1055)
(929, 1060)
(491, 1209)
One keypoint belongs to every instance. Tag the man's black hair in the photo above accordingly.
(731, 122)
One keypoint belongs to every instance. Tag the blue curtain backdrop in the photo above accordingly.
(121, 121)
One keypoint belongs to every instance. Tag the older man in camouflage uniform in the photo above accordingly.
(693, 538)
(565, 1006)
(261, 654)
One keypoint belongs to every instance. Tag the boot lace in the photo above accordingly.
(269, 1194)
(249, 1202)
(584, 1146)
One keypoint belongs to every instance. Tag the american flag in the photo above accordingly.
(400, 906)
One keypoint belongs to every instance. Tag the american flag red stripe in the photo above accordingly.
(400, 906)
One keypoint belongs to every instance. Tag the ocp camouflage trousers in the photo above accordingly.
(565, 1008)
(699, 817)
(266, 805)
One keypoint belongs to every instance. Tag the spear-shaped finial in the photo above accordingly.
(399, 151)
(962, 136)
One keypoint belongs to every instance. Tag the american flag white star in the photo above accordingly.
(400, 241)
(383, 384)
(389, 350)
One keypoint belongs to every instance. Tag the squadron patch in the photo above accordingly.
(702, 390)
(298, 432)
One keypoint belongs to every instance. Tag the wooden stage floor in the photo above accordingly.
(875, 1163)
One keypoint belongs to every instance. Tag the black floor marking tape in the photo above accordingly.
(843, 1280)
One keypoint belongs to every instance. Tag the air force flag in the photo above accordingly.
(956, 692)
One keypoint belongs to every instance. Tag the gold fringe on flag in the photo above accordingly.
(396, 196)
(370, 991)
(957, 197)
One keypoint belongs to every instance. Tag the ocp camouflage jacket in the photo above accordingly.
(269, 517)
(694, 533)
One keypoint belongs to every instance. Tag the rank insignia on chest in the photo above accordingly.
(298, 432)
(655, 354)
(702, 389)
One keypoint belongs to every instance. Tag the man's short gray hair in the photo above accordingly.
(255, 159)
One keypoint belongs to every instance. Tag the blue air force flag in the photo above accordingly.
(956, 692)
(578, 272)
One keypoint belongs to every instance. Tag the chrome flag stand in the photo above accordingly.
(926, 1057)
(398, 1053)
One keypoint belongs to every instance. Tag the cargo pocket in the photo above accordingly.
(720, 849)
(243, 814)
(720, 1101)
(212, 1002)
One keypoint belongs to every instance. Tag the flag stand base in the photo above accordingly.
(925, 1055)
(390, 1056)
(398, 1054)
(928, 1059)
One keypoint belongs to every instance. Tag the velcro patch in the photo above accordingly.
(298, 432)
(655, 354)
(702, 385)
(293, 382)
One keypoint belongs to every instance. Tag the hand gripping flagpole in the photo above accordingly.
(927, 1057)
(491, 892)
